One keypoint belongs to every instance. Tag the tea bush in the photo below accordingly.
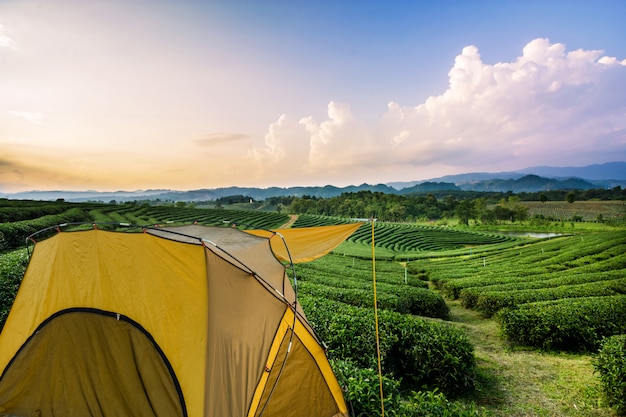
(401, 299)
(15, 233)
(419, 352)
(421, 302)
(610, 363)
(574, 325)
(429, 355)
(12, 268)
(469, 296)
(362, 392)
(15, 214)
(490, 302)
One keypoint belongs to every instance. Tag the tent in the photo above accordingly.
(175, 321)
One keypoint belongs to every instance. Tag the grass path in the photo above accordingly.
(521, 383)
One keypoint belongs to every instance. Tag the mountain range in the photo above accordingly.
(533, 179)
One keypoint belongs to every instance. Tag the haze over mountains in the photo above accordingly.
(533, 179)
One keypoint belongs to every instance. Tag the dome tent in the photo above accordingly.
(177, 321)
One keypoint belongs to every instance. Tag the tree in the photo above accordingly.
(480, 208)
(513, 200)
(571, 197)
(502, 213)
(543, 198)
(396, 212)
(465, 211)
(520, 213)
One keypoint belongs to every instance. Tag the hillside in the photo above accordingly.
(528, 183)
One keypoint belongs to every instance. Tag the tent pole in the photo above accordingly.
(380, 373)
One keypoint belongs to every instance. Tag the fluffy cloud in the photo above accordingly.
(549, 106)
(546, 106)
(340, 142)
(6, 41)
(285, 150)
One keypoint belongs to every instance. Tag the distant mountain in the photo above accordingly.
(527, 183)
(206, 194)
(608, 175)
(607, 171)
(326, 191)
(84, 195)
(535, 179)
(428, 186)
(459, 179)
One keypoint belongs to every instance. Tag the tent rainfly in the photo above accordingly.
(176, 321)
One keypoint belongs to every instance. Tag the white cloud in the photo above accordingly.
(340, 142)
(275, 141)
(32, 117)
(284, 152)
(218, 138)
(549, 106)
(6, 41)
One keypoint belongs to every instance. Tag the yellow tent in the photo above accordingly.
(183, 321)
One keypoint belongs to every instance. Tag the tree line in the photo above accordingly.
(486, 207)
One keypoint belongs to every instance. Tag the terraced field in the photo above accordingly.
(27, 217)
(573, 288)
(406, 241)
(147, 215)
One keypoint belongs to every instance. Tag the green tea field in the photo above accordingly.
(471, 322)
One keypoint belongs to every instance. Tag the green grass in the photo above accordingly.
(520, 382)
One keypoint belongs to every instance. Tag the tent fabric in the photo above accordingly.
(308, 243)
(300, 374)
(156, 282)
(124, 362)
(238, 351)
(190, 320)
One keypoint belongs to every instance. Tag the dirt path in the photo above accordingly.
(292, 220)
(528, 383)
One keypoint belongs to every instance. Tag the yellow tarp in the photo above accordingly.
(308, 243)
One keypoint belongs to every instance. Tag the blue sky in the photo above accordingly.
(187, 94)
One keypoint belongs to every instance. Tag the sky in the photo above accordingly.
(180, 94)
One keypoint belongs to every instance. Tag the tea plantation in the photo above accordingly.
(557, 294)
(563, 293)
